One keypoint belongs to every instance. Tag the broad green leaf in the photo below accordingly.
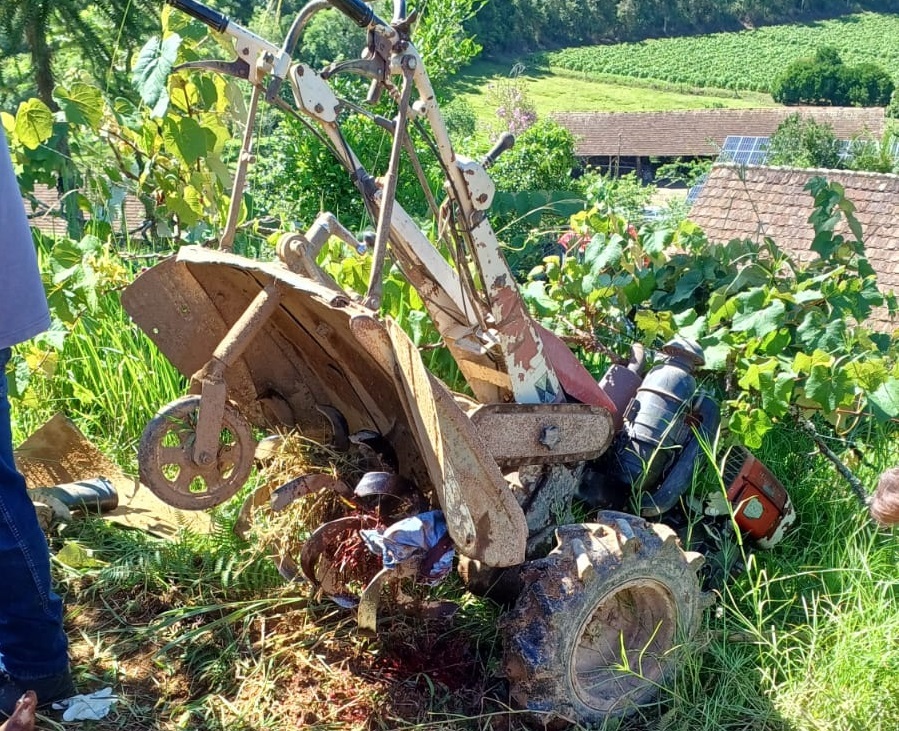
(153, 66)
(186, 137)
(885, 400)
(610, 254)
(81, 103)
(827, 386)
(774, 342)
(687, 284)
(754, 372)
(656, 325)
(750, 426)
(752, 275)
(760, 322)
(535, 295)
(716, 355)
(776, 391)
(803, 362)
(641, 287)
(34, 123)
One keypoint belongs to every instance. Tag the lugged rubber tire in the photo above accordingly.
(620, 584)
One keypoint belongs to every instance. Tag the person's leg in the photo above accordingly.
(33, 646)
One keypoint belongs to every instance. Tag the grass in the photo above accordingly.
(202, 633)
(553, 89)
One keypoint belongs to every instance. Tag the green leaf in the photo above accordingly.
(750, 425)
(687, 284)
(610, 255)
(81, 103)
(776, 392)
(885, 400)
(186, 137)
(34, 123)
(716, 355)
(827, 386)
(535, 295)
(640, 288)
(760, 322)
(76, 556)
(152, 68)
(774, 342)
(655, 324)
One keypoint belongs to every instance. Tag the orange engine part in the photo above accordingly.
(762, 507)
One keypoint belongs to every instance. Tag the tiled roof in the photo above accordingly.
(44, 213)
(700, 131)
(754, 201)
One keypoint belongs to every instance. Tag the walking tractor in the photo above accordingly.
(599, 608)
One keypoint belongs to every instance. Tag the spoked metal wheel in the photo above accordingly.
(165, 456)
(596, 631)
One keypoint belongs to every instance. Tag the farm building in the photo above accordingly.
(753, 201)
(627, 141)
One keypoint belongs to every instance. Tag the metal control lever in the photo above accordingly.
(505, 142)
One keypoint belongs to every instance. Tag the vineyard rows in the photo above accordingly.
(748, 60)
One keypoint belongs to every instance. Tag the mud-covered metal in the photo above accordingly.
(304, 357)
(519, 434)
(167, 461)
(482, 515)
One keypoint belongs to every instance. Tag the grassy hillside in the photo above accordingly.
(560, 90)
(746, 60)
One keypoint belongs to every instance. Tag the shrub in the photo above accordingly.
(825, 80)
(805, 143)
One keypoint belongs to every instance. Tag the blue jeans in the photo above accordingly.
(32, 641)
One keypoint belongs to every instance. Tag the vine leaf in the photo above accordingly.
(34, 123)
(81, 103)
(151, 71)
(885, 399)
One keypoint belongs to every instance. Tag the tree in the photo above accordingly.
(800, 142)
(29, 26)
(825, 80)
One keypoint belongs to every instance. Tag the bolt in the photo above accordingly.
(204, 459)
(550, 436)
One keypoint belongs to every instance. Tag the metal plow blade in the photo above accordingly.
(483, 518)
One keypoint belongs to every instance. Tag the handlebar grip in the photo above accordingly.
(213, 18)
(505, 142)
(356, 10)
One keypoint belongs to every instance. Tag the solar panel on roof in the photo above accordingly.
(744, 150)
(696, 189)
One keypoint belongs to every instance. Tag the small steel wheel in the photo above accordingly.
(165, 456)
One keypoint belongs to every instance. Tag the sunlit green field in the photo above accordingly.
(747, 60)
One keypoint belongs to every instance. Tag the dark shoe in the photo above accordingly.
(48, 690)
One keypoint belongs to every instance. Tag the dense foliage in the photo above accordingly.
(746, 60)
(825, 80)
(802, 142)
(777, 334)
(510, 25)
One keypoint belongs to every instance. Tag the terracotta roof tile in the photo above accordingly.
(700, 131)
(44, 213)
(746, 201)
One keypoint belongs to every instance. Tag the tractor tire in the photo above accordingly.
(595, 631)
